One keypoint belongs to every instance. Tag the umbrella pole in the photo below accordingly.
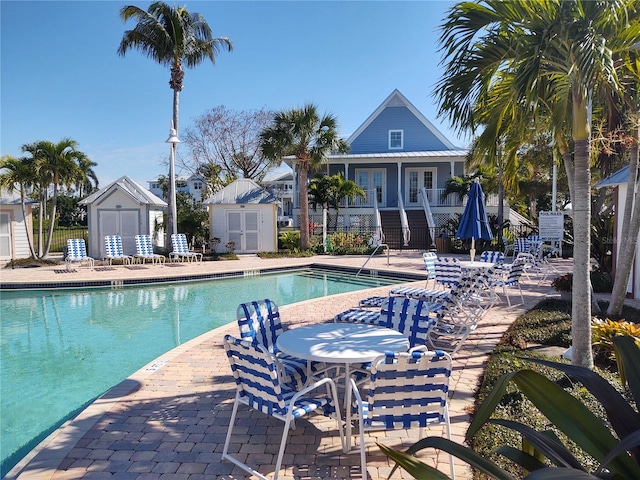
(472, 252)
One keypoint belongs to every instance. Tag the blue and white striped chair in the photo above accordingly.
(258, 386)
(459, 315)
(405, 390)
(429, 263)
(412, 317)
(113, 250)
(260, 321)
(144, 250)
(77, 253)
(511, 279)
(448, 271)
(490, 256)
(181, 249)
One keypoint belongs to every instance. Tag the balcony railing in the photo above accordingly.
(434, 195)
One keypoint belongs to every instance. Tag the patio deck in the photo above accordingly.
(168, 420)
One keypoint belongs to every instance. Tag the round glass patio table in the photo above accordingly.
(342, 343)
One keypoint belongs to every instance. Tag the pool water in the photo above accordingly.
(60, 349)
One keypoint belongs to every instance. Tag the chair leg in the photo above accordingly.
(225, 449)
(448, 427)
(506, 294)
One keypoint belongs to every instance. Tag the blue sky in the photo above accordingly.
(61, 75)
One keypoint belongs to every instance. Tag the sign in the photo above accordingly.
(551, 226)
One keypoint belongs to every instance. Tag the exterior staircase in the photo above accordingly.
(392, 228)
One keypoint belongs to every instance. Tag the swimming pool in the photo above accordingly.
(60, 349)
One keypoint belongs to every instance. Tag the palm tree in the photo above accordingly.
(171, 36)
(18, 173)
(302, 133)
(87, 179)
(555, 49)
(329, 192)
(55, 164)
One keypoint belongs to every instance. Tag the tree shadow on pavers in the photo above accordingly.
(184, 433)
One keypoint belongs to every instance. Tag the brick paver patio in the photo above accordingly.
(168, 420)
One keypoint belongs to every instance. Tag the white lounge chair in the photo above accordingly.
(113, 250)
(144, 250)
(181, 249)
(77, 253)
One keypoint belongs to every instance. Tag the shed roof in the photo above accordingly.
(616, 178)
(12, 198)
(242, 191)
(129, 187)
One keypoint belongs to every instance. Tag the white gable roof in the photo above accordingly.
(129, 187)
(242, 191)
(396, 99)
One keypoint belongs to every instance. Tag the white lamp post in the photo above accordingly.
(174, 141)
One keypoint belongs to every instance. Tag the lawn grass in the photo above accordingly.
(548, 324)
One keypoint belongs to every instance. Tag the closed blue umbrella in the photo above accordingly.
(474, 223)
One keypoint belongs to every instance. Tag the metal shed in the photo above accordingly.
(246, 214)
(123, 208)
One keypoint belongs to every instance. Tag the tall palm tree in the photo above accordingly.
(171, 36)
(55, 164)
(563, 46)
(17, 173)
(302, 133)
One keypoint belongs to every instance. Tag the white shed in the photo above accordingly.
(619, 181)
(14, 242)
(123, 208)
(246, 214)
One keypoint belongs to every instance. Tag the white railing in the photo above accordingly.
(404, 221)
(427, 209)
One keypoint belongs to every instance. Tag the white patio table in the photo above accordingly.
(475, 265)
(342, 343)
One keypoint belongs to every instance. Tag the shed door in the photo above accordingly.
(125, 223)
(243, 230)
(5, 236)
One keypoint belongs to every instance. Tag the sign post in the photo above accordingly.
(551, 227)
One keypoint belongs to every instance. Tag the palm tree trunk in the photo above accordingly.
(52, 221)
(303, 200)
(28, 231)
(581, 310)
(629, 237)
(43, 205)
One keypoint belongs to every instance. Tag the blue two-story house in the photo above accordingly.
(402, 161)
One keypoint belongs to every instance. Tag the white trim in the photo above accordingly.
(391, 132)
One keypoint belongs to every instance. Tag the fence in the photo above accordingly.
(60, 237)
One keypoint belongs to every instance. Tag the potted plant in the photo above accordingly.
(564, 284)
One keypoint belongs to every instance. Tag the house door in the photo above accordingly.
(5, 236)
(243, 230)
(372, 181)
(125, 223)
(416, 180)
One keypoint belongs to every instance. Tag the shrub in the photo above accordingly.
(563, 283)
(600, 281)
(290, 240)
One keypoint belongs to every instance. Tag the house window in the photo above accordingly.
(396, 139)
(197, 185)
